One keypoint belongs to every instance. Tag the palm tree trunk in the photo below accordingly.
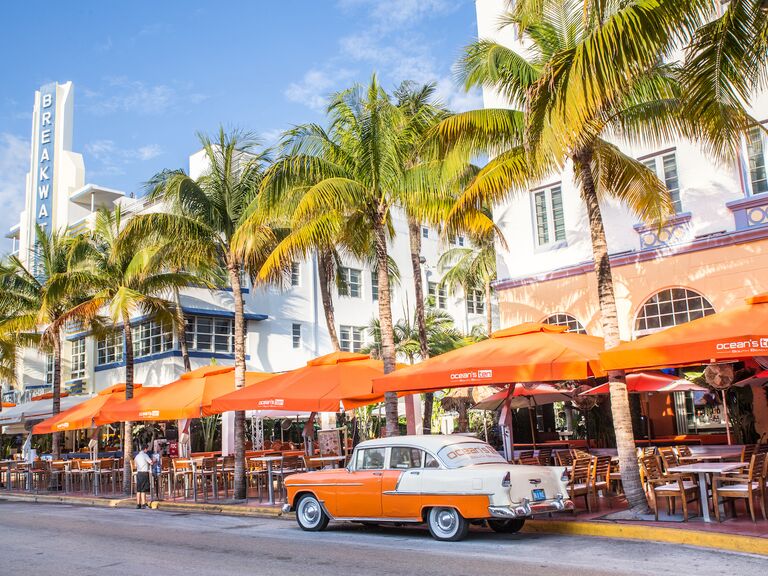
(622, 416)
(488, 309)
(385, 321)
(127, 426)
(414, 236)
(56, 437)
(181, 333)
(325, 271)
(234, 278)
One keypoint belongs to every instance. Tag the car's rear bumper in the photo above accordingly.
(526, 508)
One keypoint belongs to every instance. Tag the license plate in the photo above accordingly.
(538, 494)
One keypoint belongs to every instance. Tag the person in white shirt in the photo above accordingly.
(143, 466)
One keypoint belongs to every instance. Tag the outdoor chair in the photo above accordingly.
(288, 465)
(579, 482)
(106, 474)
(530, 460)
(579, 453)
(614, 478)
(310, 464)
(685, 451)
(749, 486)
(648, 451)
(747, 451)
(227, 473)
(524, 455)
(182, 474)
(601, 470)
(58, 474)
(545, 456)
(669, 486)
(164, 480)
(563, 458)
(207, 472)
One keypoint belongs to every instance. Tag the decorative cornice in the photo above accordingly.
(717, 240)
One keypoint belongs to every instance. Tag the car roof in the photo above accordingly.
(431, 442)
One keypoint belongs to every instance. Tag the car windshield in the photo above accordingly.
(469, 453)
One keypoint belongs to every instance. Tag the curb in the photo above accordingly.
(681, 536)
(163, 506)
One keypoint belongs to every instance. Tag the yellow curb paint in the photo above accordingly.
(731, 542)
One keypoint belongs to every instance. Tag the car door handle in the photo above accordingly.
(415, 472)
(377, 474)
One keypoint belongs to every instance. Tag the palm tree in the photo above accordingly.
(41, 300)
(128, 274)
(549, 89)
(353, 176)
(209, 212)
(472, 270)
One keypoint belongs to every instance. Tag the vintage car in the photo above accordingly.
(446, 481)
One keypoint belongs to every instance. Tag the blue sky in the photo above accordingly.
(148, 75)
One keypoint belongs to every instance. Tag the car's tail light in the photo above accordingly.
(507, 482)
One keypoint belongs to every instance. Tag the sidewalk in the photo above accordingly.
(735, 534)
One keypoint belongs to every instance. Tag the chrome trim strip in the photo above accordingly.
(371, 519)
(291, 485)
(397, 493)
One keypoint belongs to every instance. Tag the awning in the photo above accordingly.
(37, 409)
(644, 382)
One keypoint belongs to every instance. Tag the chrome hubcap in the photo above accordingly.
(310, 512)
(446, 520)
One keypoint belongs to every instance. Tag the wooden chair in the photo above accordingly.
(182, 473)
(579, 453)
(529, 460)
(614, 478)
(256, 474)
(669, 486)
(107, 474)
(524, 455)
(228, 474)
(579, 482)
(749, 486)
(288, 465)
(601, 481)
(208, 472)
(310, 464)
(747, 451)
(563, 458)
(545, 456)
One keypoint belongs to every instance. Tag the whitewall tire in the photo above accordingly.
(310, 514)
(446, 524)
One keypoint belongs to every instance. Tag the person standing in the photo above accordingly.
(143, 466)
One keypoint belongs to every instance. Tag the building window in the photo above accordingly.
(110, 349)
(351, 338)
(296, 335)
(549, 216)
(665, 168)
(351, 283)
(49, 364)
(475, 302)
(669, 308)
(295, 274)
(374, 285)
(210, 334)
(758, 180)
(424, 232)
(566, 320)
(436, 294)
(151, 337)
(78, 359)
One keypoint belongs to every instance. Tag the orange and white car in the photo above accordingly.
(446, 481)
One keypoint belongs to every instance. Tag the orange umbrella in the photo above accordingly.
(727, 336)
(188, 397)
(642, 382)
(87, 414)
(323, 385)
(529, 352)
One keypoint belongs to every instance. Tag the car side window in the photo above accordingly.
(403, 458)
(370, 459)
(430, 461)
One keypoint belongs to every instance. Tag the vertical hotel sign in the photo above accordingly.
(45, 139)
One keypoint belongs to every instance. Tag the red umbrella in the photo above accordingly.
(642, 382)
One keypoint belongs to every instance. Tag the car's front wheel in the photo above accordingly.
(310, 514)
(447, 524)
(510, 526)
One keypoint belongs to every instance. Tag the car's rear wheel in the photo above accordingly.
(310, 514)
(447, 524)
(509, 526)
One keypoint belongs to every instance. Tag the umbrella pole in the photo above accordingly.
(533, 428)
(725, 414)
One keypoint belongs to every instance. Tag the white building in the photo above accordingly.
(285, 328)
(708, 257)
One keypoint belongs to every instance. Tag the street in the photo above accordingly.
(67, 540)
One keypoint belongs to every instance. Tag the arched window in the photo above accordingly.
(566, 320)
(669, 308)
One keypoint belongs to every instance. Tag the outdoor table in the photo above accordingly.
(704, 457)
(268, 460)
(7, 464)
(95, 471)
(702, 469)
(333, 460)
